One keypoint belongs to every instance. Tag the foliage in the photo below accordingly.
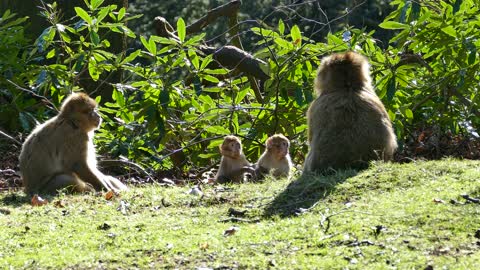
(175, 103)
(390, 216)
(13, 68)
(430, 72)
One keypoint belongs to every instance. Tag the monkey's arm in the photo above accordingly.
(235, 175)
(90, 175)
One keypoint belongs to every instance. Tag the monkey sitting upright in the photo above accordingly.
(59, 154)
(347, 124)
(233, 164)
(276, 159)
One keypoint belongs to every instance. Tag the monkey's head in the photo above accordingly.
(348, 71)
(81, 110)
(231, 147)
(278, 145)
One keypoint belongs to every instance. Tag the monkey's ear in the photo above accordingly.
(268, 143)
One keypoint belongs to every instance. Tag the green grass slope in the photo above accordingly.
(409, 216)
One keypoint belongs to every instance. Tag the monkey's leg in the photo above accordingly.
(70, 182)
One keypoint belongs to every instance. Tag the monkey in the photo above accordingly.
(233, 164)
(60, 155)
(348, 125)
(276, 159)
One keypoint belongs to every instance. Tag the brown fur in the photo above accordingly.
(233, 164)
(60, 154)
(276, 159)
(347, 123)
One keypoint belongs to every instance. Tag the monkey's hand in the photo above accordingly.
(114, 184)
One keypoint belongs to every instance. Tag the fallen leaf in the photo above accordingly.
(59, 204)
(38, 201)
(196, 191)
(203, 246)
(168, 181)
(123, 207)
(165, 203)
(211, 181)
(104, 226)
(436, 200)
(231, 231)
(109, 195)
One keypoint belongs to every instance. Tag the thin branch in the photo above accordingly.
(227, 10)
(10, 138)
(44, 99)
(136, 167)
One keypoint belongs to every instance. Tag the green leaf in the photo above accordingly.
(181, 29)
(456, 6)
(50, 54)
(210, 78)
(207, 60)
(409, 113)
(472, 56)
(194, 59)
(131, 57)
(296, 35)
(94, 38)
(299, 95)
(79, 64)
(283, 43)
(281, 27)
(96, 3)
(149, 45)
(121, 13)
(197, 85)
(218, 130)
(83, 14)
(102, 14)
(393, 25)
(118, 97)
(23, 117)
(93, 71)
(220, 71)
(164, 98)
(449, 30)
(391, 89)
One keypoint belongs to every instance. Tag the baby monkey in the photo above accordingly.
(233, 164)
(276, 159)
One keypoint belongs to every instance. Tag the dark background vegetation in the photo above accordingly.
(167, 101)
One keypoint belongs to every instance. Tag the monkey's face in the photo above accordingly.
(231, 148)
(278, 146)
(88, 119)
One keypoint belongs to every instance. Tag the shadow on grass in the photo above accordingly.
(15, 200)
(304, 192)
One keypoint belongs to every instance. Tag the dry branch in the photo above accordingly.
(227, 10)
(235, 58)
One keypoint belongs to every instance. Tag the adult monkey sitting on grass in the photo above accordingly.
(348, 125)
(59, 154)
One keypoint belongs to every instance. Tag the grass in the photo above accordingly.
(406, 216)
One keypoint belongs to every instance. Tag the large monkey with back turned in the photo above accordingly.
(59, 154)
(347, 123)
